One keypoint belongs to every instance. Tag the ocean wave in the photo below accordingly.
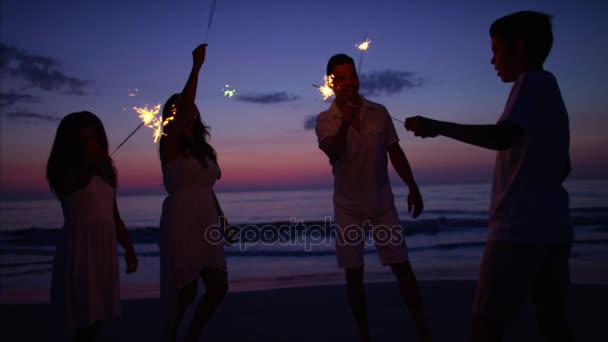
(595, 219)
(273, 250)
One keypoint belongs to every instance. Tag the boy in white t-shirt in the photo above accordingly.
(530, 235)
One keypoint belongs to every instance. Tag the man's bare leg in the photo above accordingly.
(357, 300)
(408, 287)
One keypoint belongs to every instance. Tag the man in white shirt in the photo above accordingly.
(530, 235)
(359, 138)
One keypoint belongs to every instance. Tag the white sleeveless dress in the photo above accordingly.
(85, 285)
(189, 216)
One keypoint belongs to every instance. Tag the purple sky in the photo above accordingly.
(60, 56)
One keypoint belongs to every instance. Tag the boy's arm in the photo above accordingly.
(402, 166)
(495, 137)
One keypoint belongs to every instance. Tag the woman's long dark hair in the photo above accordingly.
(199, 147)
(66, 170)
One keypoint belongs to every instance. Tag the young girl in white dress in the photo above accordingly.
(85, 287)
(191, 235)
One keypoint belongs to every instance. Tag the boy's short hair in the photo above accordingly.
(532, 28)
(338, 59)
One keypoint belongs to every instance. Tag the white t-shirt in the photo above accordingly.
(529, 203)
(361, 184)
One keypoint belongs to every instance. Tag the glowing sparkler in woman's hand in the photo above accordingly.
(148, 119)
(147, 115)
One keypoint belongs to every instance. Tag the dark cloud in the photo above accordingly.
(11, 98)
(39, 71)
(30, 116)
(387, 82)
(310, 122)
(269, 98)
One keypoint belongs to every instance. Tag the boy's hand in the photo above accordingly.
(131, 260)
(414, 202)
(422, 127)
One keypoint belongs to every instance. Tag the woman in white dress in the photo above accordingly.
(85, 287)
(191, 234)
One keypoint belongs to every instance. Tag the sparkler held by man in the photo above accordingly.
(362, 48)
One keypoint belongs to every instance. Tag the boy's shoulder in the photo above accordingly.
(538, 78)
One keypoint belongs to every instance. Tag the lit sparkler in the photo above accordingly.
(228, 91)
(148, 119)
(327, 88)
(362, 48)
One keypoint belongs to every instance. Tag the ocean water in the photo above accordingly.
(446, 242)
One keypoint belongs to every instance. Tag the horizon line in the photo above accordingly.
(148, 191)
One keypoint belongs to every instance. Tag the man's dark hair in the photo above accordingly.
(532, 28)
(337, 60)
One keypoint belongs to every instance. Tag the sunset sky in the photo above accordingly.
(426, 57)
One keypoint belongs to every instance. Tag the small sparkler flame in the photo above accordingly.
(133, 93)
(364, 46)
(228, 92)
(327, 88)
(149, 119)
(147, 115)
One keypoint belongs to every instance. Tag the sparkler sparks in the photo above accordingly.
(149, 119)
(147, 115)
(364, 46)
(133, 92)
(327, 88)
(228, 91)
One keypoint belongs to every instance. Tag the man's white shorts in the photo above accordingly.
(387, 235)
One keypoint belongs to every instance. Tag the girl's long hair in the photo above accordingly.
(199, 147)
(66, 170)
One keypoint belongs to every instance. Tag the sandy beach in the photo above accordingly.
(321, 314)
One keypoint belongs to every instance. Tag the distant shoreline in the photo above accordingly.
(12, 195)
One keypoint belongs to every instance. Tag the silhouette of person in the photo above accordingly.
(530, 235)
(85, 284)
(191, 242)
(359, 138)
